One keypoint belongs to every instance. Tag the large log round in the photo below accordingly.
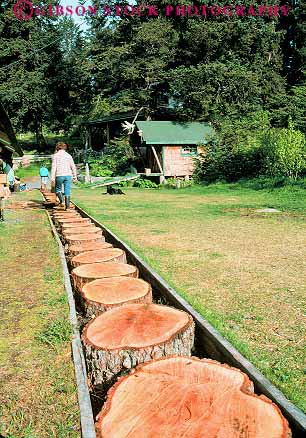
(66, 214)
(74, 250)
(90, 229)
(188, 397)
(80, 238)
(60, 208)
(129, 335)
(71, 225)
(108, 293)
(73, 220)
(71, 217)
(85, 273)
(99, 256)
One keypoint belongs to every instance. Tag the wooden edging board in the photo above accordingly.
(86, 413)
(209, 342)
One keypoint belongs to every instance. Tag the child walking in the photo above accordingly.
(44, 177)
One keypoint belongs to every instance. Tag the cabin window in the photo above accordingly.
(187, 151)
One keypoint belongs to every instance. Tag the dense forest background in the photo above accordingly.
(245, 75)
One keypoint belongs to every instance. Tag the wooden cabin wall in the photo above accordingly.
(175, 164)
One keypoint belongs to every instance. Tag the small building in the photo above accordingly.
(168, 148)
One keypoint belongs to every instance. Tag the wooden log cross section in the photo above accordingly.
(108, 293)
(99, 256)
(188, 397)
(129, 335)
(80, 238)
(66, 226)
(76, 221)
(90, 229)
(85, 273)
(74, 250)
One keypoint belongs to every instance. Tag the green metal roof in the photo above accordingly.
(176, 133)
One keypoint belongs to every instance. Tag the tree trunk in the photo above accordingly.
(129, 335)
(108, 293)
(90, 229)
(86, 273)
(80, 238)
(188, 397)
(74, 250)
(99, 256)
(39, 134)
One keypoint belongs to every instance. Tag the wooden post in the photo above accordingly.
(157, 159)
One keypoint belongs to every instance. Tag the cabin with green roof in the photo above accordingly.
(169, 148)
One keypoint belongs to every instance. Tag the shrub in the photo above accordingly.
(145, 184)
(255, 151)
(116, 159)
(285, 152)
(178, 183)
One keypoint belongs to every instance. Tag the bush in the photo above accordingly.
(116, 160)
(145, 184)
(239, 154)
(178, 183)
(284, 152)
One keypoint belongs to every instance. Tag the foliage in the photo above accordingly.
(116, 159)
(145, 184)
(284, 152)
(44, 77)
(236, 151)
(245, 150)
(177, 183)
(102, 167)
(55, 332)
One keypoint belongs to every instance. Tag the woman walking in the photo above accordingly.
(63, 170)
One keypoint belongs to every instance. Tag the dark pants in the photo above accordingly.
(59, 181)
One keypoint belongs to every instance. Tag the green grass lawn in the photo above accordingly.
(244, 271)
(31, 170)
(37, 384)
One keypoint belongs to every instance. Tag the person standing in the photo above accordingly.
(63, 170)
(44, 177)
(8, 170)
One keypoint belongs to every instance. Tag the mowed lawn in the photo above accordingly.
(38, 394)
(243, 270)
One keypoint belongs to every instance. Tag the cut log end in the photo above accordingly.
(181, 396)
(74, 250)
(99, 256)
(85, 273)
(80, 238)
(135, 333)
(108, 293)
(66, 226)
(90, 229)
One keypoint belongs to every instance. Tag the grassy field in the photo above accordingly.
(37, 384)
(243, 270)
